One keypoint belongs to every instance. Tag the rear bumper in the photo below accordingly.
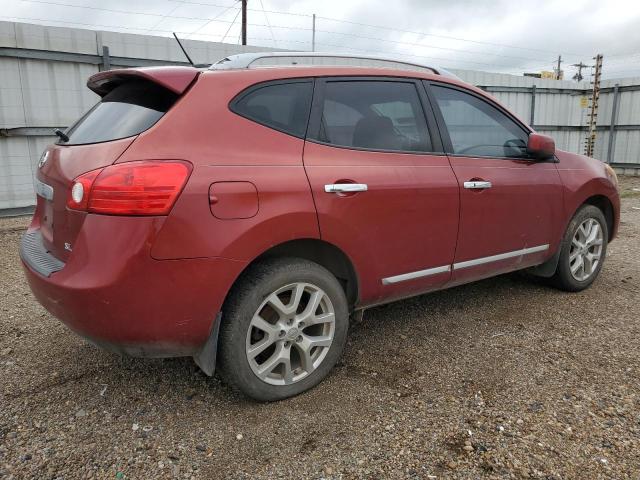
(113, 293)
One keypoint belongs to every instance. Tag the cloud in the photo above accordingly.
(493, 35)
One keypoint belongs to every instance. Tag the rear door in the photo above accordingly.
(384, 191)
(509, 203)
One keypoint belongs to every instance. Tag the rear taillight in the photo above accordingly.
(132, 188)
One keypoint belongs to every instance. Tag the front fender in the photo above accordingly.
(585, 178)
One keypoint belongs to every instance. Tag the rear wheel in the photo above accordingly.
(584, 248)
(284, 327)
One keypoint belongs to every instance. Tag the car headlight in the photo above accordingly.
(611, 174)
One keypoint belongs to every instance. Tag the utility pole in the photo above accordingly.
(578, 76)
(558, 71)
(244, 22)
(313, 34)
(590, 141)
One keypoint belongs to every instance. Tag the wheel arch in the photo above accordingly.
(606, 207)
(602, 202)
(321, 252)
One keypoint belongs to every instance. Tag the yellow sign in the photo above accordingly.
(547, 74)
(584, 102)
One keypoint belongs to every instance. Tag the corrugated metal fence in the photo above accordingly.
(43, 71)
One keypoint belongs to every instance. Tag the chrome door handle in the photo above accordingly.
(345, 187)
(477, 185)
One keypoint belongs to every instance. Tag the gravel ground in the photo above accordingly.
(499, 379)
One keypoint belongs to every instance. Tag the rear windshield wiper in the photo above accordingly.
(63, 136)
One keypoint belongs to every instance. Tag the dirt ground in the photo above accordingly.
(499, 379)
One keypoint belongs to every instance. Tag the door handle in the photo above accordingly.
(477, 184)
(345, 187)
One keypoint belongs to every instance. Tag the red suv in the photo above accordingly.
(241, 215)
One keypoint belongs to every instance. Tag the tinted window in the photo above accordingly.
(283, 106)
(478, 128)
(375, 115)
(127, 110)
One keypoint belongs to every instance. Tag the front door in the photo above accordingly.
(382, 195)
(509, 203)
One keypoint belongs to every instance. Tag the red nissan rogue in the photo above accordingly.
(240, 214)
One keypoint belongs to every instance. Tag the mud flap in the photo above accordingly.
(206, 357)
(548, 268)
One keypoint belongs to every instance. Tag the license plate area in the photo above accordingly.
(45, 192)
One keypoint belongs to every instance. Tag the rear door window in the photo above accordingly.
(374, 115)
(283, 106)
(127, 110)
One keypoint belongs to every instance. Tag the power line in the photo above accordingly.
(416, 44)
(442, 36)
(112, 10)
(212, 19)
(231, 25)
(120, 27)
(266, 18)
(494, 44)
(163, 17)
(189, 2)
(286, 27)
(619, 60)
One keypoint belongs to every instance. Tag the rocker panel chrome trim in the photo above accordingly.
(500, 256)
(460, 265)
(412, 275)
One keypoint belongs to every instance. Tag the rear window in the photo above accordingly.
(127, 110)
(281, 106)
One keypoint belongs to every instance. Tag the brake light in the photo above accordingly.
(132, 188)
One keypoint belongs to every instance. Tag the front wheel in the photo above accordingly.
(584, 248)
(283, 328)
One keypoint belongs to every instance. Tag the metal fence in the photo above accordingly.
(43, 71)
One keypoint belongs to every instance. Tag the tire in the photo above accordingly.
(253, 349)
(564, 278)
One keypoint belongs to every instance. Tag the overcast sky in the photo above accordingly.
(493, 35)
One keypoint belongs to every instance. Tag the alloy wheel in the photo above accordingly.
(290, 334)
(586, 249)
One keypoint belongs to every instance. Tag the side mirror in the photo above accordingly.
(541, 147)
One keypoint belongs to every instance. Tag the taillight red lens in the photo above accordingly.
(133, 188)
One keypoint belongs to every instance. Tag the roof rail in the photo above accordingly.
(245, 60)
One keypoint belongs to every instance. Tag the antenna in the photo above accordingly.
(183, 50)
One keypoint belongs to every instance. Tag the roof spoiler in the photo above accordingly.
(175, 79)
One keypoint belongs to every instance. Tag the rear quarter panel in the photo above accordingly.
(225, 147)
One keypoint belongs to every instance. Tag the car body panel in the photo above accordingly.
(583, 178)
(112, 292)
(286, 212)
(410, 209)
(522, 209)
